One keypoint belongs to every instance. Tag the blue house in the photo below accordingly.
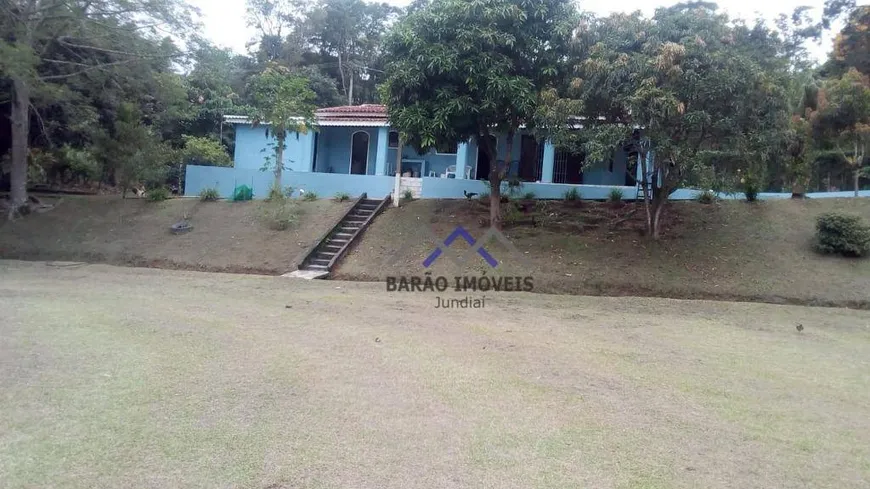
(354, 150)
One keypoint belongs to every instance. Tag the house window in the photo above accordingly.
(393, 139)
(446, 149)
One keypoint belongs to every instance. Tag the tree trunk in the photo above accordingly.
(658, 210)
(20, 117)
(857, 177)
(279, 157)
(646, 196)
(494, 182)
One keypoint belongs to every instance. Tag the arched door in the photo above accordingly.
(359, 153)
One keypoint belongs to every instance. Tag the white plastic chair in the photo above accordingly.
(451, 170)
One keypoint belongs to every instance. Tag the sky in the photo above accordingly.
(224, 20)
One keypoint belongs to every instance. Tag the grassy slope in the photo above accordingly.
(227, 236)
(729, 250)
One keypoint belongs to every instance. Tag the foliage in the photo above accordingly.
(309, 196)
(276, 193)
(843, 118)
(674, 75)
(529, 196)
(706, 197)
(341, 197)
(157, 194)
(615, 195)
(204, 151)
(407, 194)
(572, 195)
(842, 234)
(81, 164)
(285, 103)
(136, 155)
(461, 70)
(280, 214)
(51, 50)
(852, 44)
(750, 183)
(210, 194)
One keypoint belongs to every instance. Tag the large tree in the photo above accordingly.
(843, 119)
(693, 82)
(76, 37)
(461, 70)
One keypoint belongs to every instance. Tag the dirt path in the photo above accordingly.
(116, 377)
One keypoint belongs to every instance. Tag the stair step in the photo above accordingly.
(353, 218)
(331, 248)
(346, 230)
(370, 202)
(324, 255)
(361, 213)
(315, 267)
(344, 236)
(320, 261)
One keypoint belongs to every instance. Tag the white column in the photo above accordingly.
(461, 159)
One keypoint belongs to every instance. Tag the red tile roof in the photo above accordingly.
(365, 112)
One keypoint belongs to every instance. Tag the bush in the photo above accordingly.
(81, 163)
(276, 194)
(615, 195)
(210, 194)
(842, 234)
(280, 215)
(342, 197)
(529, 196)
(309, 196)
(706, 197)
(407, 194)
(157, 194)
(572, 195)
(204, 151)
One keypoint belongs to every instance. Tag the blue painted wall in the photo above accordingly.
(448, 188)
(325, 185)
(253, 146)
(333, 149)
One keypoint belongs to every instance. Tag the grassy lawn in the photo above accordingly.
(117, 377)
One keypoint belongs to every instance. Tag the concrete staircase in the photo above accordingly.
(337, 241)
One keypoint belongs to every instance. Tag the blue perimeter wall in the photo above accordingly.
(377, 187)
(326, 185)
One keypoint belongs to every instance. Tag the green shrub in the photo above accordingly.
(407, 194)
(342, 197)
(280, 215)
(288, 191)
(572, 195)
(209, 194)
(842, 234)
(529, 196)
(706, 197)
(484, 196)
(276, 194)
(204, 151)
(309, 196)
(157, 194)
(615, 195)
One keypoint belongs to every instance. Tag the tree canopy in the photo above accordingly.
(461, 71)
